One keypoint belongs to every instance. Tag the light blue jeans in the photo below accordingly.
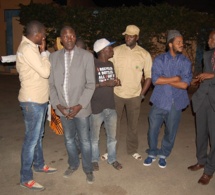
(72, 128)
(32, 152)
(109, 117)
(156, 118)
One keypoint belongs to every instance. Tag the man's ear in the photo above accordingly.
(170, 45)
(138, 37)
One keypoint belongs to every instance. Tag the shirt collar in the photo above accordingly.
(171, 57)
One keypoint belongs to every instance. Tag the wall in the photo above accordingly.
(17, 28)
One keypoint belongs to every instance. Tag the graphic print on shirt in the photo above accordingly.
(105, 74)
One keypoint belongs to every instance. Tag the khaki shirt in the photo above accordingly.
(34, 71)
(128, 65)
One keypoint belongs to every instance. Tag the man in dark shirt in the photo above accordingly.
(102, 103)
(171, 75)
(204, 106)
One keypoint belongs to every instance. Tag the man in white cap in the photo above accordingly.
(102, 103)
(130, 60)
(171, 75)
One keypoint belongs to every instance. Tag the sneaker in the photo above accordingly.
(162, 163)
(148, 161)
(68, 172)
(95, 166)
(90, 177)
(46, 169)
(32, 185)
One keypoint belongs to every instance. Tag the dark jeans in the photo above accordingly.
(156, 118)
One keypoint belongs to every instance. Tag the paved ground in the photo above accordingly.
(134, 179)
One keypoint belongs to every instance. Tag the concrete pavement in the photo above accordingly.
(133, 179)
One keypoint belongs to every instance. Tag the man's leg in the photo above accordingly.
(119, 105)
(83, 130)
(95, 126)
(133, 112)
(156, 117)
(202, 132)
(110, 121)
(69, 139)
(172, 119)
(210, 163)
(34, 116)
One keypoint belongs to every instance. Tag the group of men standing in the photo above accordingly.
(86, 92)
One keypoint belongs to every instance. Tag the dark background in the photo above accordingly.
(198, 5)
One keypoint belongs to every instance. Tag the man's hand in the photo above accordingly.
(42, 47)
(64, 110)
(201, 77)
(73, 111)
(117, 82)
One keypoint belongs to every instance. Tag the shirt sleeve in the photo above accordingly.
(156, 70)
(40, 63)
(148, 66)
(186, 73)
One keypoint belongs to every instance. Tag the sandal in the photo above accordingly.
(117, 165)
(137, 156)
(95, 166)
(104, 156)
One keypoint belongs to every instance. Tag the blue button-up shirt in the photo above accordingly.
(164, 96)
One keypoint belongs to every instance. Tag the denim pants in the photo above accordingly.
(171, 119)
(109, 117)
(81, 127)
(32, 153)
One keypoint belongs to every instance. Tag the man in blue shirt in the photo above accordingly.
(171, 75)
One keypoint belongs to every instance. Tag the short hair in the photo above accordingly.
(65, 28)
(211, 33)
(34, 27)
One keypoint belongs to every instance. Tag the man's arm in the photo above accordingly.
(173, 81)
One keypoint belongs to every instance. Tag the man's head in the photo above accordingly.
(103, 46)
(68, 37)
(211, 40)
(35, 31)
(175, 41)
(131, 35)
(80, 43)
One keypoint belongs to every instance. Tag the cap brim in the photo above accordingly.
(111, 43)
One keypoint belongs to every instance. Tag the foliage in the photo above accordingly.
(94, 23)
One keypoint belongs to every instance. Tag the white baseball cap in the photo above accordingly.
(101, 44)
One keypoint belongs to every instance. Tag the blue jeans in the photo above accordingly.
(81, 127)
(109, 117)
(32, 153)
(171, 119)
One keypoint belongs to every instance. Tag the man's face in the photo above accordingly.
(211, 41)
(177, 45)
(40, 36)
(68, 39)
(131, 40)
(108, 51)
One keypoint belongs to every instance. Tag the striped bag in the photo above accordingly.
(55, 123)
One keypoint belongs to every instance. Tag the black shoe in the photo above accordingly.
(90, 178)
(95, 166)
(68, 172)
